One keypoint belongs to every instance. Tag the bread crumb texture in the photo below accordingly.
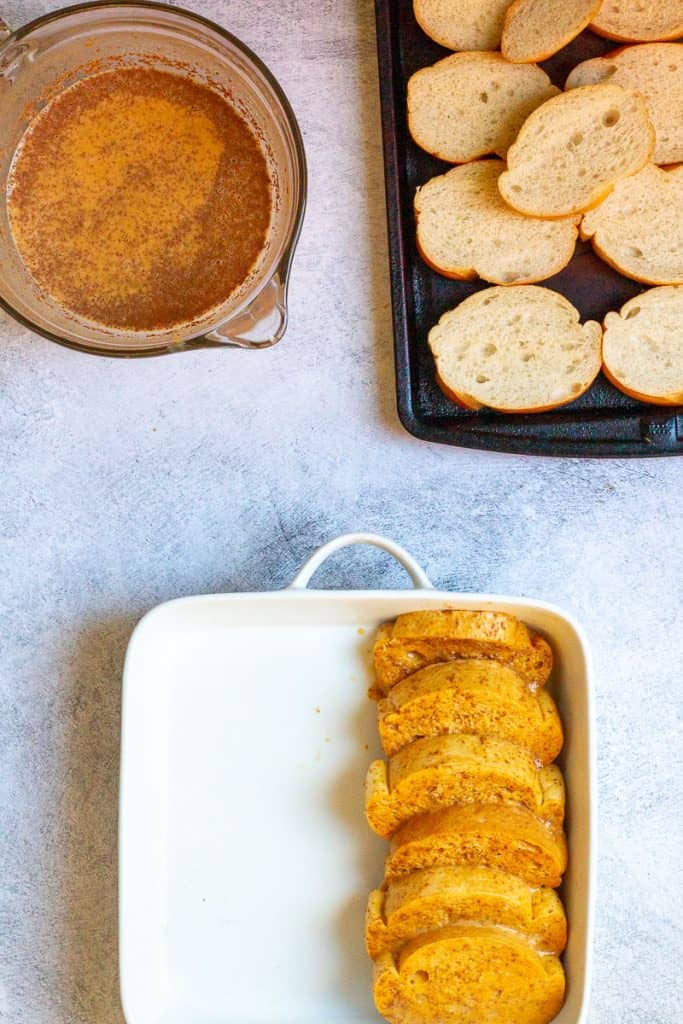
(572, 150)
(639, 20)
(536, 29)
(655, 70)
(471, 104)
(519, 349)
(465, 229)
(638, 229)
(462, 24)
(643, 348)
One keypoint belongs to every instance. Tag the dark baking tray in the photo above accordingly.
(603, 422)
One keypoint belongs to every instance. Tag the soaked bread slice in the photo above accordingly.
(472, 104)
(467, 974)
(516, 349)
(571, 151)
(510, 838)
(443, 896)
(475, 696)
(643, 349)
(639, 20)
(462, 24)
(434, 773)
(465, 229)
(638, 229)
(418, 639)
(655, 70)
(536, 29)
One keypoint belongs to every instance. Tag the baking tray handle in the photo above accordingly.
(419, 577)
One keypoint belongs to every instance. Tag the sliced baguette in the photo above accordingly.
(512, 839)
(638, 21)
(643, 349)
(571, 151)
(471, 104)
(479, 697)
(638, 229)
(466, 230)
(443, 896)
(655, 70)
(516, 349)
(468, 974)
(462, 24)
(536, 29)
(437, 772)
(417, 639)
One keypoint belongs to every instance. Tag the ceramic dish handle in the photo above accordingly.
(419, 577)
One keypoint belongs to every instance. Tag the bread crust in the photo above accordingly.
(544, 53)
(642, 396)
(492, 39)
(621, 35)
(531, 410)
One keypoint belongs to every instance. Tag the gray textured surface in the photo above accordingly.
(126, 483)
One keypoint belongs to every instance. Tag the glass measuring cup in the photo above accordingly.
(50, 54)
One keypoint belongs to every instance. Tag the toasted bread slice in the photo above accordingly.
(511, 839)
(635, 21)
(639, 227)
(478, 697)
(571, 151)
(467, 974)
(471, 104)
(443, 896)
(466, 230)
(462, 24)
(643, 349)
(437, 772)
(516, 349)
(418, 639)
(655, 70)
(536, 29)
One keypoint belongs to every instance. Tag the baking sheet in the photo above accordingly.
(604, 421)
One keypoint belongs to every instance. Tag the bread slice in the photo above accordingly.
(471, 104)
(643, 349)
(639, 227)
(510, 838)
(572, 150)
(515, 349)
(439, 771)
(468, 974)
(443, 896)
(536, 29)
(655, 70)
(478, 697)
(466, 230)
(462, 24)
(639, 20)
(417, 639)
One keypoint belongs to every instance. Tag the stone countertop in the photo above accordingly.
(127, 483)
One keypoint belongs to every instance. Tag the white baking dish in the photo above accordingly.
(244, 856)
